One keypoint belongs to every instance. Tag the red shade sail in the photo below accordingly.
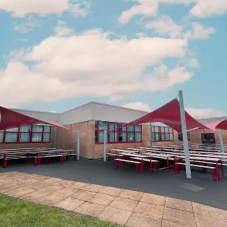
(12, 119)
(221, 124)
(169, 114)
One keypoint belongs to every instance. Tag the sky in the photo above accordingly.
(59, 54)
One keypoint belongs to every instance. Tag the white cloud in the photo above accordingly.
(21, 8)
(147, 8)
(138, 106)
(162, 78)
(62, 30)
(29, 25)
(200, 32)
(205, 113)
(200, 8)
(80, 9)
(90, 64)
(207, 8)
(192, 63)
(165, 26)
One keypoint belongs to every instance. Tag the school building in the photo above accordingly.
(91, 119)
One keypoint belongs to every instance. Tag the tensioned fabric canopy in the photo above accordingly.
(13, 119)
(221, 124)
(169, 114)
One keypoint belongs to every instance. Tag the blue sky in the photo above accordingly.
(59, 54)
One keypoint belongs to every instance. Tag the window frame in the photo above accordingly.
(161, 131)
(30, 132)
(118, 131)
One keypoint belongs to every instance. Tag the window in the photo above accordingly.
(208, 138)
(160, 133)
(26, 134)
(180, 136)
(117, 134)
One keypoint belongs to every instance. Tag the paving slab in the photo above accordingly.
(69, 204)
(66, 191)
(19, 192)
(115, 215)
(35, 196)
(111, 191)
(154, 211)
(51, 188)
(153, 199)
(102, 199)
(52, 199)
(129, 194)
(179, 204)
(124, 204)
(91, 209)
(8, 187)
(83, 195)
(39, 185)
(166, 223)
(206, 221)
(53, 180)
(179, 216)
(93, 188)
(139, 220)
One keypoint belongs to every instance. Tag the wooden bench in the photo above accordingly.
(156, 163)
(213, 168)
(37, 159)
(117, 161)
(6, 158)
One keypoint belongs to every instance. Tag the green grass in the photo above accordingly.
(19, 213)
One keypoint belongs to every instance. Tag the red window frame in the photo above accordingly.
(162, 130)
(30, 135)
(118, 131)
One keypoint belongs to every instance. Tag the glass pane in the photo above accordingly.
(138, 128)
(162, 129)
(112, 126)
(166, 129)
(157, 137)
(122, 137)
(156, 128)
(25, 128)
(153, 137)
(101, 137)
(37, 128)
(171, 130)
(11, 137)
(1, 136)
(102, 125)
(153, 128)
(46, 137)
(130, 136)
(36, 137)
(171, 137)
(46, 128)
(113, 136)
(12, 130)
(163, 136)
(24, 137)
(167, 136)
(130, 128)
(138, 137)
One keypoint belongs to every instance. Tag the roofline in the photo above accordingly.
(105, 104)
(15, 109)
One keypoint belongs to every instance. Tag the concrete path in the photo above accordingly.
(125, 207)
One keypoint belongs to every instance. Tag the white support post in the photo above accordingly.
(185, 136)
(177, 135)
(220, 140)
(78, 145)
(73, 139)
(151, 136)
(55, 136)
(105, 145)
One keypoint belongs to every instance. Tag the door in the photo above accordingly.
(208, 138)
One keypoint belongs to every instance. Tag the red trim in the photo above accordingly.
(30, 132)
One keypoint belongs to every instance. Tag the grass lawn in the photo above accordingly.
(19, 213)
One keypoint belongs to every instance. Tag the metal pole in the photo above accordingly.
(151, 135)
(220, 140)
(185, 136)
(55, 136)
(105, 145)
(78, 145)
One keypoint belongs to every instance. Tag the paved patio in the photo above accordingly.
(122, 206)
(200, 189)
